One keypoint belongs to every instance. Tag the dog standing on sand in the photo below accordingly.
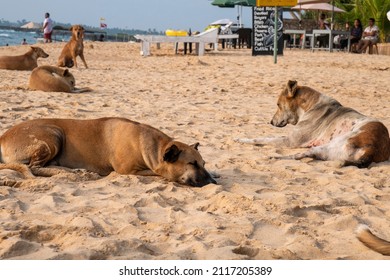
(52, 78)
(101, 146)
(72, 49)
(331, 131)
(27, 61)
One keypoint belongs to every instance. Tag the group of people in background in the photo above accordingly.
(361, 40)
(370, 37)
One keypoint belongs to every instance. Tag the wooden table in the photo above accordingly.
(331, 33)
(294, 32)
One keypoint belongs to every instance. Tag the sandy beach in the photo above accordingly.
(262, 208)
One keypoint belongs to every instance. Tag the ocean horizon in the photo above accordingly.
(10, 37)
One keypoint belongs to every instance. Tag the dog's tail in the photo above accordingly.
(19, 167)
(372, 241)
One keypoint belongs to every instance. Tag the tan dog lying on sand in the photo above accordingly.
(52, 78)
(101, 146)
(72, 49)
(331, 131)
(372, 241)
(27, 61)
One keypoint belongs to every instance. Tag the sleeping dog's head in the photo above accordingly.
(183, 163)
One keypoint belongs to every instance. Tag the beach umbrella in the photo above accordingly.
(223, 21)
(247, 3)
(233, 3)
(318, 7)
(223, 3)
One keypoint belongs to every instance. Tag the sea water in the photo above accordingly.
(12, 37)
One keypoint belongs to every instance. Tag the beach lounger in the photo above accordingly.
(209, 36)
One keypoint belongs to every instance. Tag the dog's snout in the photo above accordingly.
(201, 181)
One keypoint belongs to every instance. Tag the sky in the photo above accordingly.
(128, 14)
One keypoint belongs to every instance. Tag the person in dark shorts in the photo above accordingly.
(47, 28)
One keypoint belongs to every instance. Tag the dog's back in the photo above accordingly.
(27, 61)
(51, 78)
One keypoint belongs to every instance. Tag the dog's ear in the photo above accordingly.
(171, 154)
(292, 87)
(33, 48)
(65, 73)
(71, 28)
(195, 146)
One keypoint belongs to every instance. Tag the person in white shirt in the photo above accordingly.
(370, 36)
(47, 28)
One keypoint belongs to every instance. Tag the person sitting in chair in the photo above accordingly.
(370, 36)
(356, 34)
(323, 24)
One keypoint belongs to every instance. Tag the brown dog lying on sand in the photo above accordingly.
(101, 146)
(372, 241)
(52, 78)
(331, 131)
(27, 61)
(72, 49)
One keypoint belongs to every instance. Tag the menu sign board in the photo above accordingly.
(264, 30)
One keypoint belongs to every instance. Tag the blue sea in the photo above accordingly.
(12, 37)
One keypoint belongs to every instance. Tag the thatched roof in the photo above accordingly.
(32, 25)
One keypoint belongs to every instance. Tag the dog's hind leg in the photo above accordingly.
(33, 145)
(339, 153)
(320, 153)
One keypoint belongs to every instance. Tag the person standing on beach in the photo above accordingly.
(47, 28)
